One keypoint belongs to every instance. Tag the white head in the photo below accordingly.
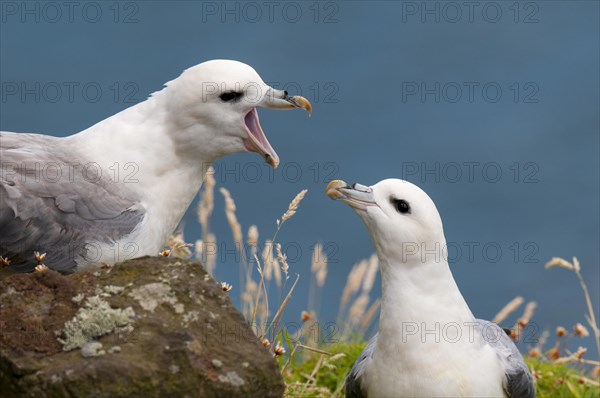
(213, 105)
(401, 218)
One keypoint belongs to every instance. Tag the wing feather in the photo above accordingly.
(50, 203)
(518, 382)
(354, 379)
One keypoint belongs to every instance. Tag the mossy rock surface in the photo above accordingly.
(181, 336)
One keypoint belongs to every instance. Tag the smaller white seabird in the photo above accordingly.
(428, 344)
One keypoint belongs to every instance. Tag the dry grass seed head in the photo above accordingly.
(234, 225)
(253, 238)
(371, 273)
(354, 281)
(206, 205)
(319, 264)
(358, 308)
(282, 258)
(508, 309)
(559, 262)
(293, 206)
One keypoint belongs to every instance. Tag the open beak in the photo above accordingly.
(257, 140)
(356, 195)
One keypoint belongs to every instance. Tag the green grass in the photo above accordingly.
(554, 380)
(559, 380)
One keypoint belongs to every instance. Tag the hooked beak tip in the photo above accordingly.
(273, 161)
(333, 191)
(302, 103)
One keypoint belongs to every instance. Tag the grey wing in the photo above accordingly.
(519, 382)
(53, 201)
(354, 388)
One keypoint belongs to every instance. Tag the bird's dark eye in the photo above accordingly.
(401, 205)
(231, 96)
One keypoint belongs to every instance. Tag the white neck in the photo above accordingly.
(420, 306)
(150, 153)
(419, 292)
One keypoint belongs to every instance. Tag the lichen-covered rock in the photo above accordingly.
(150, 327)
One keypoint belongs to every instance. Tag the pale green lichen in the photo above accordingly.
(77, 299)
(92, 349)
(232, 378)
(188, 317)
(152, 295)
(112, 289)
(96, 318)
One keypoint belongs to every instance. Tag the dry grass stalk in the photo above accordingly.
(289, 358)
(326, 360)
(318, 268)
(236, 228)
(371, 273)
(253, 239)
(206, 252)
(252, 242)
(261, 290)
(358, 308)
(271, 265)
(267, 258)
(311, 379)
(573, 357)
(210, 258)
(293, 206)
(248, 296)
(309, 388)
(206, 205)
(236, 231)
(310, 330)
(178, 247)
(541, 341)
(275, 323)
(523, 321)
(319, 264)
(508, 309)
(576, 267)
(369, 315)
(353, 282)
(318, 351)
(282, 258)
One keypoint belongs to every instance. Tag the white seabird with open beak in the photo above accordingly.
(428, 344)
(118, 189)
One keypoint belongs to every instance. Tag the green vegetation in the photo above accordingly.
(554, 380)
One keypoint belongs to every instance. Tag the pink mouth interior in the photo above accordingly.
(253, 125)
